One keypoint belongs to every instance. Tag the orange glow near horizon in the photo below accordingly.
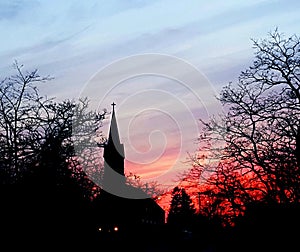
(155, 169)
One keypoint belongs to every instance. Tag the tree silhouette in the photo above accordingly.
(253, 147)
(182, 210)
(45, 191)
(20, 106)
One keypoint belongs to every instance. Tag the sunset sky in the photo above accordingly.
(162, 62)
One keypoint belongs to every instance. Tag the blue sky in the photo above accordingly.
(73, 41)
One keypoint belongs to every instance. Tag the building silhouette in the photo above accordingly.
(121, 207)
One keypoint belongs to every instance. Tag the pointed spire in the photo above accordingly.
(113, 131)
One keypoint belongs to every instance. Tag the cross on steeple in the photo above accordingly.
(113, 105)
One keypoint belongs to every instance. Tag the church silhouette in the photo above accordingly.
(122, 208)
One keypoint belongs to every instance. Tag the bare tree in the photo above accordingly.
(32, 127)
(254, 146)
(20, 105)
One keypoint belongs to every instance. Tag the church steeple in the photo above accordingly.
(119, 203)
(113, 155)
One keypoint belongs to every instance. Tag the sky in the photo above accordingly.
(162, 62)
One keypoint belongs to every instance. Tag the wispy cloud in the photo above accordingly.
(74, 40)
